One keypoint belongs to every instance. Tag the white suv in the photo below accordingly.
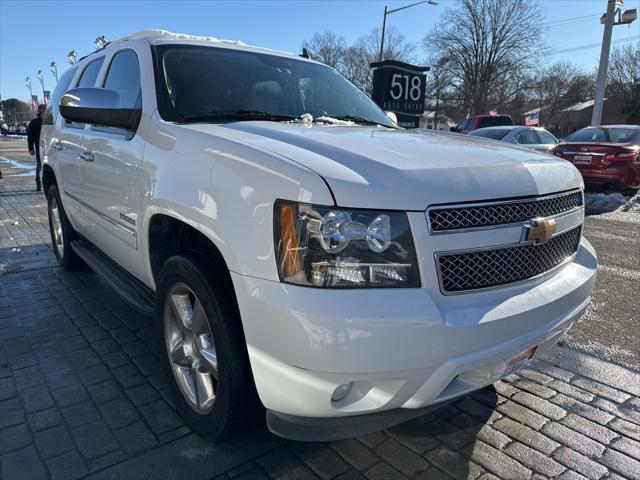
(298, 248)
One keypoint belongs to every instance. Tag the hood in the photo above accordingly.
(371, 167)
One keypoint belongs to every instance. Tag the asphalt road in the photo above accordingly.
(611, 327)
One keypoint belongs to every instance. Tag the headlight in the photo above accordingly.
(344, 248)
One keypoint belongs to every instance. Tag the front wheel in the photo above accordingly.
(62, 233)
(204, 348)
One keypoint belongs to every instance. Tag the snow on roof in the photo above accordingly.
(156, 34)
(580, 106)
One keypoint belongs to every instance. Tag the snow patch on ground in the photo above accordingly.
(633, 205)
(608, 202)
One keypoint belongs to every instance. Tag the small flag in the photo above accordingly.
(493, 112)
(468, 116)
(34, 102)
(531, 120)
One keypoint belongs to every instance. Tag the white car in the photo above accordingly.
(536, 138)
(295, 246)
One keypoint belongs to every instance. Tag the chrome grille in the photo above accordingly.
(500, 213)
(460, 272)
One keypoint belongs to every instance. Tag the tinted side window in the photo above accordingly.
(546, 137)
(62, 87)
(124, 78)
(527, 137)
(495, 122)
(90, 74)
(494, 134)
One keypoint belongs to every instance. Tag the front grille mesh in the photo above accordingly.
(461, 272)
(455, 218)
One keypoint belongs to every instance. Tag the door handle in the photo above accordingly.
(57, 145)
(87, 156)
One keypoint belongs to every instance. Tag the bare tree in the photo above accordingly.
(439, 81)
(491, 45)
(624, 66)
(624, 79)
(354, 61)
(553, 85)
(326, 47)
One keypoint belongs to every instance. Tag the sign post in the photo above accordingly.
(399, 87)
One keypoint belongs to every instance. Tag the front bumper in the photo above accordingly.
(398, 348)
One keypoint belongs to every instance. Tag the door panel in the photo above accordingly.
(113, 186)
(65, 151)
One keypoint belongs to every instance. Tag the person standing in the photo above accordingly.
(33, 140)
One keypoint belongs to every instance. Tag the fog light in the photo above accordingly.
(340, 392)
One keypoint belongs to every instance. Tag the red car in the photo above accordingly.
(481, 121)
(608, 156)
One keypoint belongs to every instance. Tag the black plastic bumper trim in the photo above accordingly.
(325, 429)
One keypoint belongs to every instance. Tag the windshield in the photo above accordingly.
(493, 133)
(497, 121)
(602, 134)
(200, 83)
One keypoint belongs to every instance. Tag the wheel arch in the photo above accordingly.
(168, 235)
(48, 177)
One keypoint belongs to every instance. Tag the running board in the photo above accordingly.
(132, 290)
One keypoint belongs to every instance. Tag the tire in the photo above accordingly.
(204, 354)
(62, 233)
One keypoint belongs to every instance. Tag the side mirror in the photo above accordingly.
(98, 106)
(454, 129)
(392, 116)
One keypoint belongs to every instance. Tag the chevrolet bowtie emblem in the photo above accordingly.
(540, 230)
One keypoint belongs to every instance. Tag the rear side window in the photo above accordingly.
(124, 78)
(493, 133)
(527, 137)
(495, 121)
(600, 134)
(54, 104)
(546, 138)
(90, 74)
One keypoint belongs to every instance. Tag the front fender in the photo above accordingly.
(226, 190)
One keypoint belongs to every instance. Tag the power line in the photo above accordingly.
(594, 45)
(572, 19)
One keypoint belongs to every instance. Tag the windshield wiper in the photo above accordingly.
(362, 120)
(237, 115)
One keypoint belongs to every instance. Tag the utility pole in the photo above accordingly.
(596, 118)
(40, 77)
(384, 26)
(626, 18)
(384, 21)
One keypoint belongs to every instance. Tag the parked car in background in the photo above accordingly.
(536, 138)
(608, 157)
(482, 121)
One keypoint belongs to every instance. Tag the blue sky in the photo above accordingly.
(61, 26)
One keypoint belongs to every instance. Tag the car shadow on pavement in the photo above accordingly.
(440, 444)
(94, 362)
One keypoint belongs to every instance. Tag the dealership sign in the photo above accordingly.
(399, 87)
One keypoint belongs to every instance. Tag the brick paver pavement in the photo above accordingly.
(82, 395)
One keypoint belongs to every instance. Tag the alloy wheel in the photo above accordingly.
(190, 347)
(56, 227)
